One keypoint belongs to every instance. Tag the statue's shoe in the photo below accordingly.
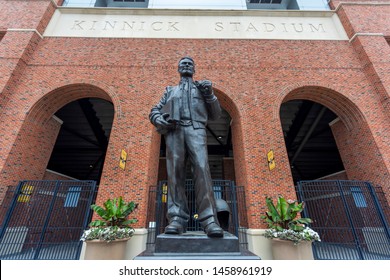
(213, 230)
(174, 228)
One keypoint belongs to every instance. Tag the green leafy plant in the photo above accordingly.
(285, 215)
(114, 223)
(114, 213)
(284, 221)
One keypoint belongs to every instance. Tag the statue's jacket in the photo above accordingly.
(202, 108)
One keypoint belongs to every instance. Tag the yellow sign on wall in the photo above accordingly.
(271, 160)
(164, 193)
(123, 159)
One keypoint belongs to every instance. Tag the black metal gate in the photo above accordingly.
(45, 219)
(349, 218)
(223, 189)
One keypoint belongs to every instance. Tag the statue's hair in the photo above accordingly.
(187, 57)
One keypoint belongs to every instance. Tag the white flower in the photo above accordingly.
(107, 233)
(307, 234)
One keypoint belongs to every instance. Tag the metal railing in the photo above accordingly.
(349, 218)
(45, 219)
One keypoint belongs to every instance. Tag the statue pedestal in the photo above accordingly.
(196, 243)
(196, 246)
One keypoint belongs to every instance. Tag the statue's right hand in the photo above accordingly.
(162, 121)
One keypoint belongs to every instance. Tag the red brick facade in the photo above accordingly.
(252, 79)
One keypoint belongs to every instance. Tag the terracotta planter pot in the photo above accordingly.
(286, 250)
(103, 250)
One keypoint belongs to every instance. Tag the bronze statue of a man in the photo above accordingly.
(181, 116)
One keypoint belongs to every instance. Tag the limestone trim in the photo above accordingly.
(25, 30)
(364, 34)
(334, 121)
(57, 119)
(195, 24)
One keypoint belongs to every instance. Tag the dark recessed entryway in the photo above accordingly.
(82, 142)
(311, 147)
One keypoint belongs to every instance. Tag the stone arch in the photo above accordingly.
(47, 105)
(325, 95)
(228, 104)
(237, 134)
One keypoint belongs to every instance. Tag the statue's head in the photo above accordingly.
(186, 67)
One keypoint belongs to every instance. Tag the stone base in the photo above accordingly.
(196, 246)
(196, 242)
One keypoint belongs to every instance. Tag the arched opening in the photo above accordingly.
(82, 141)
(311, 147)
(38, 134)
(315, 121)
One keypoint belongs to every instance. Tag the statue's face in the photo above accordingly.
(186, 67)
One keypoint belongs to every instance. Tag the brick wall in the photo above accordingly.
(30, 153)
(359, 157)
(26, 14)
(252, 78)
(369, 38)
(335, 3)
